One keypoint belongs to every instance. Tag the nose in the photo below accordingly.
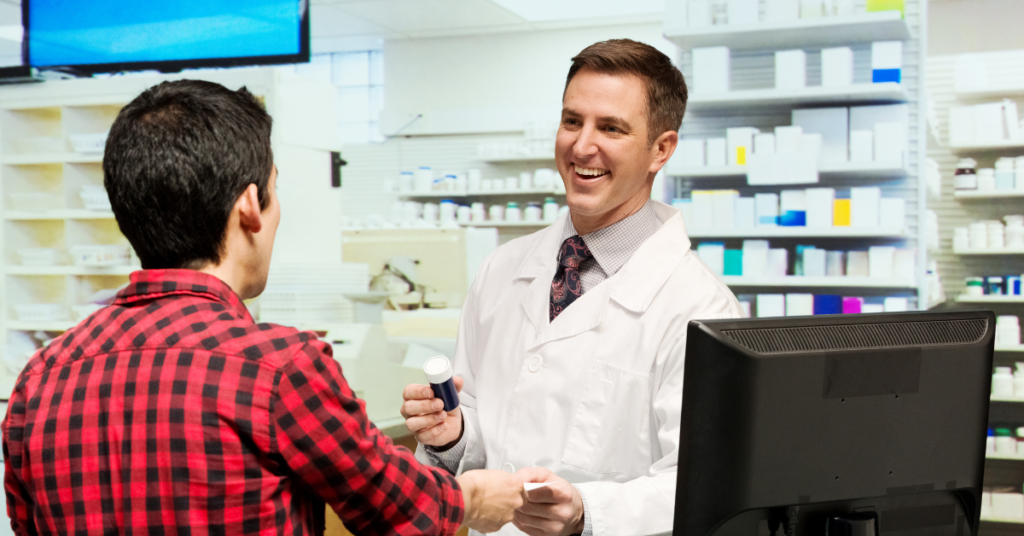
(585, 146)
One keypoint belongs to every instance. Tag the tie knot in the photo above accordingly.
(573, 252)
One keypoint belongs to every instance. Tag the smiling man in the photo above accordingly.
(572, 340)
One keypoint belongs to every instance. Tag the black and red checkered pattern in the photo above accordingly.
(172, 412)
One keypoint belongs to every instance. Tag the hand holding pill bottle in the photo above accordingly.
(441, 377)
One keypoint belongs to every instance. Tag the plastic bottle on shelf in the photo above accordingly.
(463, 215)
(990, 442)
(477, 212)
(1007, 330)
(979, 235)
(497, 213)
(1005, 176)
(513, 213)
(986, 180)
(1006, 443)
(994, 285)
(966, 177)
(406, 182)
(525, 180)
(511, 183)
(996, 235)
(961, 238)
(1020, 441)
(1018, 384)
(1018, 173)
(550, 209)
(532, 213)
(1002, 382)
(424, 181)
(975, 286)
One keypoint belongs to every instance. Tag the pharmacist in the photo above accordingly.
(572, 340)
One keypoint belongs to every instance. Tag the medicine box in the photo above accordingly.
(841, 213)
(710, 70)
(828, 304)
(864, 205)
(745, 213)
(820, 202)
(698, 13)
(886, 61)
(769, 305)
(799, 304)
(713, 255)
(692, 153)
(862, 147)
(767, 209)
(715, 152)
(755, 258)
(740, 142)
(743, 11)
(793, 208)
(790, 69)
(833, 126)
(782, 10)
(836, 67)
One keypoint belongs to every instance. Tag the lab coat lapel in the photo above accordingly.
(638, 282)
(539, 266)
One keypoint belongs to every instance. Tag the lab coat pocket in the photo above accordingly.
(610, 430)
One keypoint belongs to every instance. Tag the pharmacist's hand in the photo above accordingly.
(490, 498)
(426, 418)
(554, 510)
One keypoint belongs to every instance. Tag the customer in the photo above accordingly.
(172, 411)
(572, 340)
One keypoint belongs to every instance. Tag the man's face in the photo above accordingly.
(601, 149)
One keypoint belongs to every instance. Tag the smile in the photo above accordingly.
(590, 172)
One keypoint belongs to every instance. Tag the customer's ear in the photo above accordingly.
(248, 208)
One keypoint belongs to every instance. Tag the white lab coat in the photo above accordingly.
(596, 395)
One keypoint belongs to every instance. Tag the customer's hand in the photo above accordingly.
(426, 418)
(554, 510)
(490, 498)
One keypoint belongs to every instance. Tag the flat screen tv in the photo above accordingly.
(96, 36)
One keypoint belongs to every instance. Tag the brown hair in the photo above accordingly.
(666, 89)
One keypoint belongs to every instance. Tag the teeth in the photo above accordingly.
(596, 172)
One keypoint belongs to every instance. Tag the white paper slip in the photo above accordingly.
(530, 486)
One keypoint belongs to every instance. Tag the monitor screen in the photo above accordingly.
(803, 425)
(107, 35)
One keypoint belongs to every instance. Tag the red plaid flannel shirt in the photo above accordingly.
(172, 412)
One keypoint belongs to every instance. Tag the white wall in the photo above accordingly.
(488, 83)
(961, 26)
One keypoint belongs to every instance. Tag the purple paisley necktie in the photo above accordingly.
(566, 287)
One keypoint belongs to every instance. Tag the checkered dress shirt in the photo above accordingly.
(172, 412)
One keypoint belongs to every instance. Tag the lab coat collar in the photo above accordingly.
(633, 287)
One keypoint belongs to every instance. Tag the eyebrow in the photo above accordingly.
(617, 121)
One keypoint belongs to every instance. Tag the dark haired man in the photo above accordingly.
(171, 411)
(571, 341)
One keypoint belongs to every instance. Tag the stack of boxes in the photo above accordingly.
(863, 208)
(799, 304)
(705, 13)
(757, 259)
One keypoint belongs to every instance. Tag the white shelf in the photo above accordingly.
(52, 325)
(1002, 520)
(989, 194)
(802, 232)
(70, 270)
(51, 158)
(527, 158)
(70, 214)
(995, 92)
(963, 298)
(809, 282)
(864, 170)
(1018, 348)
(441, 195)
(883, 92)
(983, 147)
(1003, 251)
(997, 456)
(800, 33)
(524, 224)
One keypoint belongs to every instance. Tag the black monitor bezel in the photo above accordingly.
(171, 66)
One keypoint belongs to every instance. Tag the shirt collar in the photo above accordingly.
(613, 246)
(153, 284)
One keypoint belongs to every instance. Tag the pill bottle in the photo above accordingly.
(438, 370)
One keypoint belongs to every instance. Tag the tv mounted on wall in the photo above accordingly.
(83, 37)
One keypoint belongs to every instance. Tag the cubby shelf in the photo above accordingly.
(812, 282)
(977, 251)
(1003, 520)
(987, 194)
(70, 214)
(800, 232)
(963, 298)
(50, 158)
(799, 33)
(843, 170)
(70, 270)
(886, 92)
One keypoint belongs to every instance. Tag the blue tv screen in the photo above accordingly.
(109, 35)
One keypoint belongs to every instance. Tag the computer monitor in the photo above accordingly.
(796, 421)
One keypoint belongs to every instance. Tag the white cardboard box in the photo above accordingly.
(740, 144)
(781, 10)
(769, 305)
(724, 205)
(892, 212)
(857, 263)
(698, 13)
(862, 146)
(787, 139)
(819, 206)
(864, 205)
(961, 125)
(799, 304)
(713, 255)
(837, 67)
(755, 258)
(880, 261)
(890, 142)
(764, 143)
(896, 304)
(767, 209)
(692, 153)
(703, 203)
(710, 70)
(886, 55)
(833, 126)
(744, 213)
(790, 69)
(743, 11)
(715, 152)
(815, 262)
(778, 263)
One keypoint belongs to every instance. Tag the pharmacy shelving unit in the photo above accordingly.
(41, 176)
(754, 101)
